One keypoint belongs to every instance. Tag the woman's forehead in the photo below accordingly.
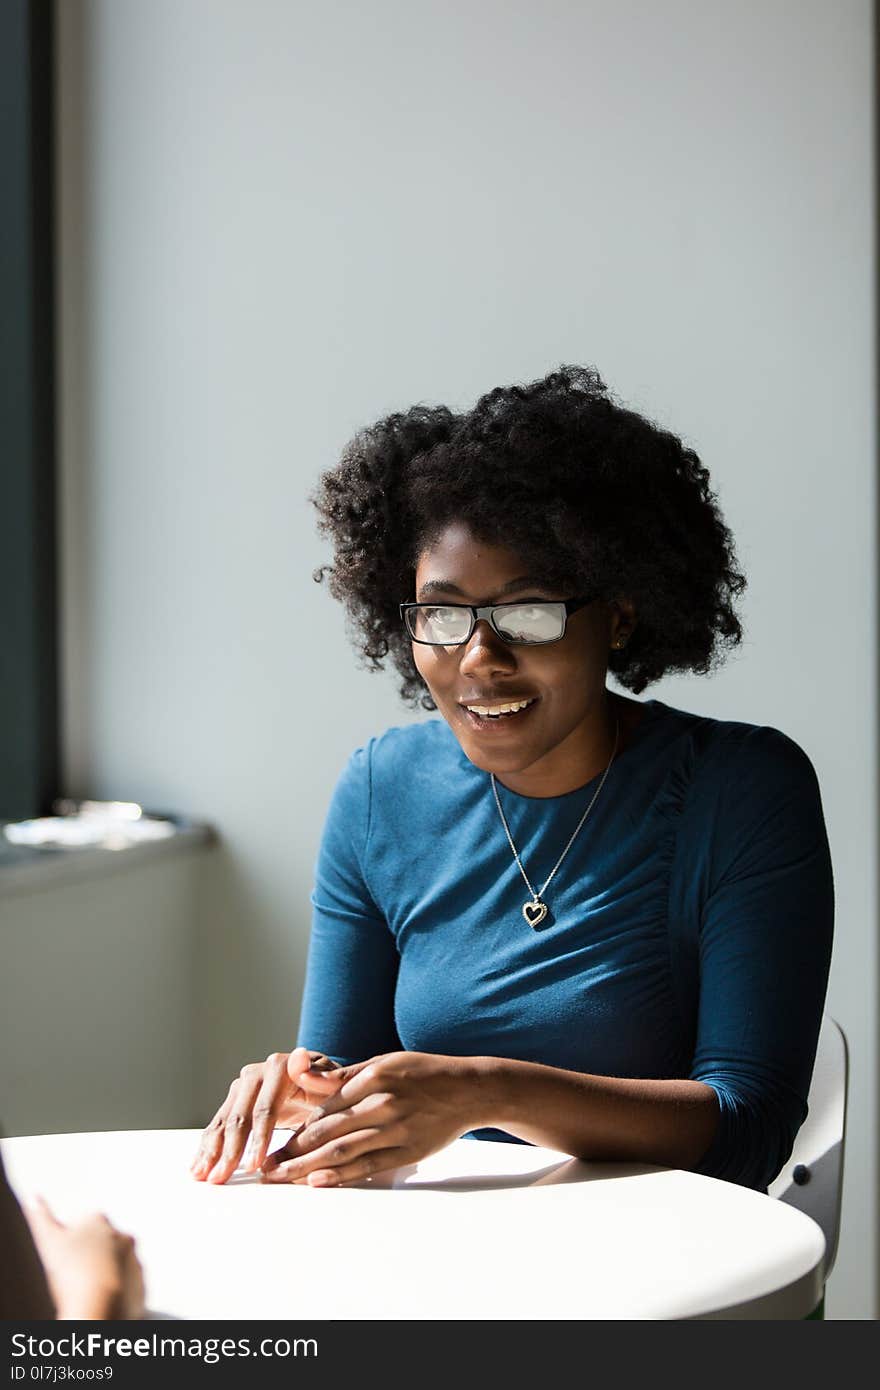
(456, 550)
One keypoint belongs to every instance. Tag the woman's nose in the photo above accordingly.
(485, 648)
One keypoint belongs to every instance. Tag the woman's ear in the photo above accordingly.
(623, 622)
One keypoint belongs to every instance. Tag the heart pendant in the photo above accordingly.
(535, 912)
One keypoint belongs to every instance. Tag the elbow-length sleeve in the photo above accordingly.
(351, 971)
(764, 956)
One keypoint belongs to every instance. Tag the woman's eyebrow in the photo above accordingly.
(446, 586)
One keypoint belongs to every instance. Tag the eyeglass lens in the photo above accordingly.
(517, 622)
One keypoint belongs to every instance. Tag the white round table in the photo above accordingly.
(479, 1230)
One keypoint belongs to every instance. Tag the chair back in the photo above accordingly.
(812, 1179)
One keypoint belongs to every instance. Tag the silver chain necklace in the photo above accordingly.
(536, 909)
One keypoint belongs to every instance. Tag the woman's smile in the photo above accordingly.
(503, 723)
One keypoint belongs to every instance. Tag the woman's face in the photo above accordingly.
(562, 739)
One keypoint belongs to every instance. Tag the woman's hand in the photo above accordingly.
(264, 1096)
(91, 1268)
(390, 1110)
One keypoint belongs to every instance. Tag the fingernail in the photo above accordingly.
(323, 1179)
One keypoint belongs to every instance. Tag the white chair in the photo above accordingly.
(812, 1179)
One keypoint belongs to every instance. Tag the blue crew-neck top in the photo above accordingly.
(689, 928)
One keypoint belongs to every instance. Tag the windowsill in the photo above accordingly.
(24, 869)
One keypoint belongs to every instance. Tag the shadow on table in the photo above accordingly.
(572, 1170)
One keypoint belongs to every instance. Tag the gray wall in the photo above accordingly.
(280, 220)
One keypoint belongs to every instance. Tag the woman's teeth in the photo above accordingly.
(493, 711)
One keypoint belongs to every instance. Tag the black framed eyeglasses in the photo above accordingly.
(529, 622)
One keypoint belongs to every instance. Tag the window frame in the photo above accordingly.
(29, 664)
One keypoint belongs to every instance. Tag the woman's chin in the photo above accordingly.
(497, 760)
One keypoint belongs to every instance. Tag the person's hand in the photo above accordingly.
(91, 1267)
(264, 1096)
(392, 1109)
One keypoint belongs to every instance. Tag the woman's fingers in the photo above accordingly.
(312, 1144)
(317, 1062)
(237, 1125)
(211, 1141)
(263, 1096)
(377, 1109)
(314, 1074)
(321, 1073)
(357, 1083)
(377, 1161)
(266, 1107)
(228, 1123)
(214, 1137)
(300, 1060)
(354, 1153)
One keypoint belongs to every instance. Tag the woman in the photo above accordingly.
(555, 915)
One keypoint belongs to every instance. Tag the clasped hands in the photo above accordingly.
(350, 1121)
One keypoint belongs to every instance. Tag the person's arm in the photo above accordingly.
(669, 1122)
(765, 954)
(347, 1006)
(402, 1106)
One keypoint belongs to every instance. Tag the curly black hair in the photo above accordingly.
(592, 496)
